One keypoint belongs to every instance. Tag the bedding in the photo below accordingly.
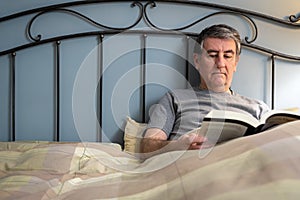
(262, 166)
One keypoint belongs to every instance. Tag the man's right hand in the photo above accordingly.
(155, 142)
(192, 142)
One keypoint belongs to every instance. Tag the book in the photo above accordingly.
(219, 125)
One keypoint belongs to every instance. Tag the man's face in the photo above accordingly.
(217, 64)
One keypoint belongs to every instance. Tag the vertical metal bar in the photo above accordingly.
(13, 98)
(143, 71)
(56, 136)
(100, 90)
(273, 82)
(187, 63)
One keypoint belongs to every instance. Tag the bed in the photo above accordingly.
(75, 99)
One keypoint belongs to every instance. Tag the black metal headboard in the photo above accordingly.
(143, 14)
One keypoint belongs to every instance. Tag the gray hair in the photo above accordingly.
(221, 31)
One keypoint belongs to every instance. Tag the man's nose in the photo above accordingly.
(220, 61)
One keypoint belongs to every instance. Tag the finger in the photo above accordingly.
(199, 139)
(195, 146)
(201, 145)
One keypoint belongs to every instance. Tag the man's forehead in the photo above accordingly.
(219, 45)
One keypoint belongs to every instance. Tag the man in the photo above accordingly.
(216, 55)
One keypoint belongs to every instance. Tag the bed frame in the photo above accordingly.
(144, 14)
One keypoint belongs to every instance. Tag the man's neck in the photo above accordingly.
(217, 90)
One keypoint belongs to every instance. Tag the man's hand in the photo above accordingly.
(155, 142)
(192, 142)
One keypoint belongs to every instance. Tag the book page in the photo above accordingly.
(279, 118)
(283, 113)
(231, 116)
(217, 132)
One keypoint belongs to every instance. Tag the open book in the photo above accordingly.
(219, 126)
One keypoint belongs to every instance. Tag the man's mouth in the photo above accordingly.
(219, 73)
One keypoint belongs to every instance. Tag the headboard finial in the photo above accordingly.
(294, 18)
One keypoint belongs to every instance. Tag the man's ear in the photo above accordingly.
(237, 59)
(196, 60)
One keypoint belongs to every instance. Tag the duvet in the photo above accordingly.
(261, 166)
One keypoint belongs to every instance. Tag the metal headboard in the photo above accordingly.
(144, 8)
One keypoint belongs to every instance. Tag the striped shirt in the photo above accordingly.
(183, 110)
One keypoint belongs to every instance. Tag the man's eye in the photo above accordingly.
(213, 55)
(228, 56)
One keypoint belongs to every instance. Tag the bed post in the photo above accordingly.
(187, 63)
(56, 136)
(272, 81)
(13, 97)
(143, 69)
(100, 89)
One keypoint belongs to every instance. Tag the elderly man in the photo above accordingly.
(216, 55)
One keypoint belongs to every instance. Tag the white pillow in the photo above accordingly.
(133, 135)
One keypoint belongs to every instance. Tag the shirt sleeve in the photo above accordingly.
(162, 115)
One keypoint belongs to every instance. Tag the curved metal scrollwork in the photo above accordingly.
(75, 13)
(252, 23)
(294, 18)
(143, 13)
(144, 7)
